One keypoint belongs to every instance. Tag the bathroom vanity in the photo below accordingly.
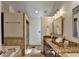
(51, 49)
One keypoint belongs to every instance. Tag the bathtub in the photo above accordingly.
(9, 51)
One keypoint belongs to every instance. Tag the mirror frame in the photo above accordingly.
(62, 24)
(74, 12)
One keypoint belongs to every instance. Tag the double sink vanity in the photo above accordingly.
(55, 45)
(51, 48)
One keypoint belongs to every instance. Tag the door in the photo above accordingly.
(35, 31)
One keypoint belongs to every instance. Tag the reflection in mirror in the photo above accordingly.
(75, 12)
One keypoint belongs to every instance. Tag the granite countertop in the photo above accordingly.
(64, 51)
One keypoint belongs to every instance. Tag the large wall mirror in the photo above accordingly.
(58, 26)
(75, 16)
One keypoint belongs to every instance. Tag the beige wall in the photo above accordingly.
(6, 7)
(11, 9)
(11, 26)
(45, 21)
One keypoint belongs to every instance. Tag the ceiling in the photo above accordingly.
(44, 8)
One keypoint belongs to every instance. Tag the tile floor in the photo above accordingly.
(33, 51)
